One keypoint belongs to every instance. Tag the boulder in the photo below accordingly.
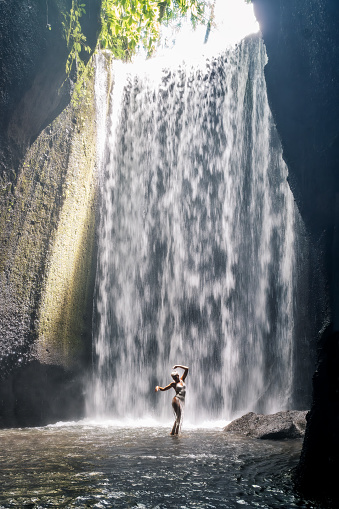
(279, 426)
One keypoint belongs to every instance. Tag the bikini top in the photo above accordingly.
(180, 389)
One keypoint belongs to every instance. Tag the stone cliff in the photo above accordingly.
(48, 194)
(302, 41)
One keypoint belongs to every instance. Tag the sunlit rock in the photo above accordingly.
(288, 424)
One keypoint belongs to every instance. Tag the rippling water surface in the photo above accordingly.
(98, 466)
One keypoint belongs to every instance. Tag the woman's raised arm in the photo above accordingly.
(185, 368)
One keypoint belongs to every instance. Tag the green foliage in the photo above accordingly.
(124, 25)
(173, 11)
(75, 39)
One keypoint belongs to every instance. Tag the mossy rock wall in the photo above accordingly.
(48, 195)
(47, 260)
(65, 308)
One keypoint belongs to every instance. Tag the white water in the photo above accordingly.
(197, 240)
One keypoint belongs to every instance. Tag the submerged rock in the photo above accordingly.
(288, 424)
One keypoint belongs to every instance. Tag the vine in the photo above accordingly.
(75, 39)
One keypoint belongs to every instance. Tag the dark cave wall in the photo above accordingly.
(302, 76)
(48, 194)
(32, 69)
(302, 79)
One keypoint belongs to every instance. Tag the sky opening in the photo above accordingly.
(233, 20)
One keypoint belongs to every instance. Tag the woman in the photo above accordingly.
(178, 401)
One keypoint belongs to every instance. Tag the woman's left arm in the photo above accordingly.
(169, 386)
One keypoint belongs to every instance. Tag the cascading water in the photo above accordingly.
(198, 232)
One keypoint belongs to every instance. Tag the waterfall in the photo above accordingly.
(197, 242)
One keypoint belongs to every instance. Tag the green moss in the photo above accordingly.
(48, 236)
(66, 300)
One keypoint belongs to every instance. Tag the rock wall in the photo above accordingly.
(48, 195)
(302, 41)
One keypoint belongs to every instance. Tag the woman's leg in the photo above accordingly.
(174, 429)
(177, 410)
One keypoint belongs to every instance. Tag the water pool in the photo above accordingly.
(91, 465)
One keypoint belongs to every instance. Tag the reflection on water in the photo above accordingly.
(96, 466)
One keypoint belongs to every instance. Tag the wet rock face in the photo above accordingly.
(47, 207)
(32, 70)
(303, 57)
(47, 270)
(302, 41)
(279, 426)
